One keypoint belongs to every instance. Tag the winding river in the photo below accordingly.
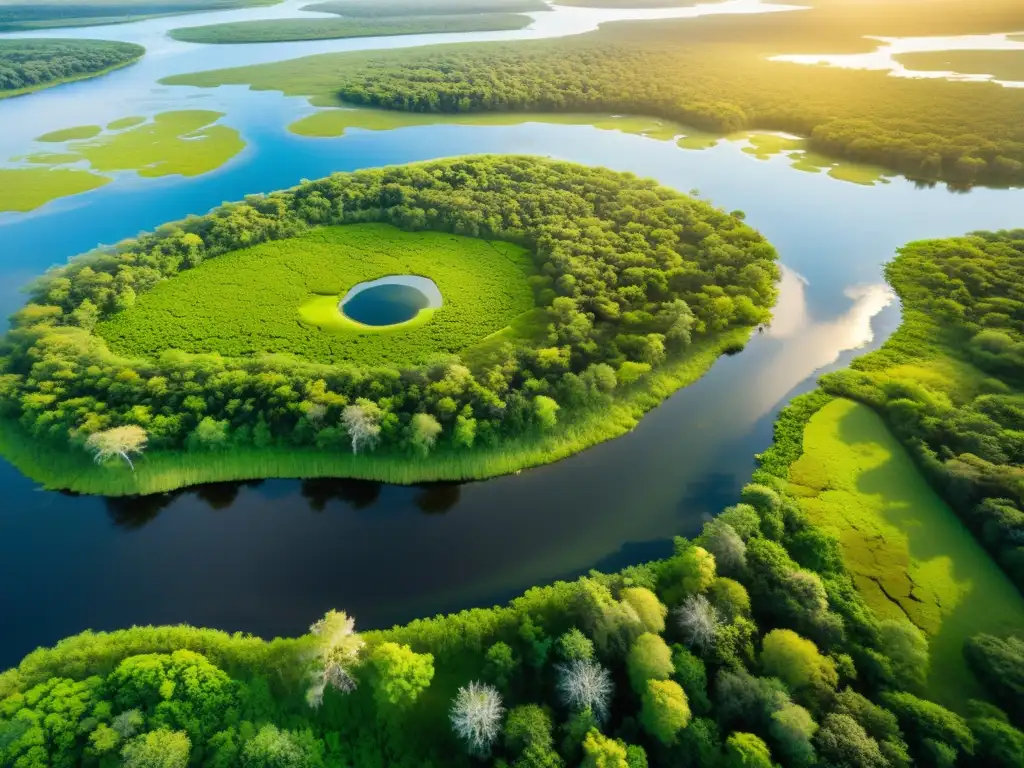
(269, 557)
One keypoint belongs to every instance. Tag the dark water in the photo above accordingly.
(388, 304)
(271, 557)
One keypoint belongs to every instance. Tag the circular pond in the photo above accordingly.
(390, 300)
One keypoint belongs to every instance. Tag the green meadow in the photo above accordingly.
(25, 189)
(281, 297)
(908, 552)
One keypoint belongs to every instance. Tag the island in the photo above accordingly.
(32, 65)
(27, 15)
(571, 301)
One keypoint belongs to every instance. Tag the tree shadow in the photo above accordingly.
(437, 498)
(134, 512)
(357, 494)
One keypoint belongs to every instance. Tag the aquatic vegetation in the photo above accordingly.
(283, 30)
(908, 553)
(400, 8)
(25, 189)
(70, 134)
(32, 65)
(125, 122)
(247, 302)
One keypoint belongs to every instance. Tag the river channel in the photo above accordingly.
(270, 557)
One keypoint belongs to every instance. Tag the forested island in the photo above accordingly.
(283, 30)
(632, 291)
(713, 73)
(19, 15)
(32, 65)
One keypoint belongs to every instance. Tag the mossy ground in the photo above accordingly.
(161, 472)
(71, 134)
(907, 551)
(250, 302)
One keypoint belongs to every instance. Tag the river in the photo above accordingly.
(271, 557)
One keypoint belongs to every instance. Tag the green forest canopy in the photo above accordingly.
(713, 73)
(30, 14)
(27, 65)
(282, 30)
(629, 272)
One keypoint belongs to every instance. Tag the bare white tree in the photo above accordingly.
(338, 648)
(476, 716)
(698, 620)
(118, 441)
(361, 422)
(721, 540)
(586, 684)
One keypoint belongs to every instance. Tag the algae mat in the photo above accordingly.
(908, 552)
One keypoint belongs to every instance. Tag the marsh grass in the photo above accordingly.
(249, 302)
(165, 471)
(907, 551)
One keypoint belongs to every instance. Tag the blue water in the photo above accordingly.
(270, 557)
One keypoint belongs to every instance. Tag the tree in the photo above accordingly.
(209, 435)
(647, 606)
(698, 621)
(688, 573)
(843, 743)
(721, 540)
(528, 726)
(926, 724)
(157, 749)
(999, 664)
(401, 675)
(338, 648)
(599, 751)
(729, 598)
(273, 748)
(118, 441)
(999, 744)
(664, 710)
(650, 658)
(476, 716)
(501, 665)
(793, 729)
(796, 661)
(575, 646)
(745, 750)
(424, 432)
(691, 674)
(906, 647)
(362, 422)
(585, 685)
(546, 412)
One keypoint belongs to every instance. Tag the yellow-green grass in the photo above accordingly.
(25, 189)
(125, 122)
(767, 145)
(908, 553)
(165, 471)
(50, 158)
(281, 297)
(70, 134)
(287, 30)
(1002, 65)
(332, 123)
(183, 142)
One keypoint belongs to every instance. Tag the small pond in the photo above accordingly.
(390, 300)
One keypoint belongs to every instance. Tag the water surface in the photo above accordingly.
(390, 300)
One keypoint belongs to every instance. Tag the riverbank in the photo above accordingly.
(159, 472)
